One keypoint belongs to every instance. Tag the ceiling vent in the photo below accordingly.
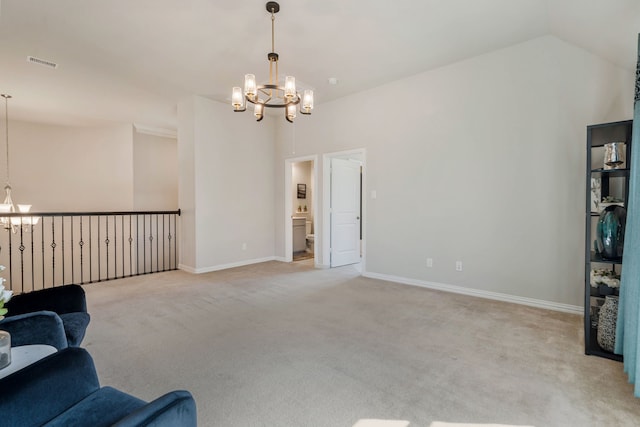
(42, 62)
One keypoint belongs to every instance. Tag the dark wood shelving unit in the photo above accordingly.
(611, 179)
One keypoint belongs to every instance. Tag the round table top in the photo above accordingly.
(25, 355)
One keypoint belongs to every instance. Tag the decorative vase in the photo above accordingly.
(607, 323)
(5, 349)
(610, 232)
(613, 155)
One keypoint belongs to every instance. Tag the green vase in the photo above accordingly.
(610, 232)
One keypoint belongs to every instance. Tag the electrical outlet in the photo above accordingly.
(244, 246)
(458, 265)
(429, 262)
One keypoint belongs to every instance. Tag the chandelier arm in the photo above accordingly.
(268, 88)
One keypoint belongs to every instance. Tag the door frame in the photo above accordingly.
(288, 205)
(360, 155)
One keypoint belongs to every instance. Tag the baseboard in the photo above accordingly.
(225, 266)
(531, 302)
(186, 268)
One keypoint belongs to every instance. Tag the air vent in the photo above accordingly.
(42, 62)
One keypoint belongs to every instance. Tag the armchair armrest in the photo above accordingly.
(56, 383)
(40, 327)
(177, 408)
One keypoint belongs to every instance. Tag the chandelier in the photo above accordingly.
(272, 94)
(13, 223)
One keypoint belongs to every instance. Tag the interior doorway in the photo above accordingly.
(343, 207)
(301, 178)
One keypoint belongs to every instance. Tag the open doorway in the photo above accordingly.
(300, 209)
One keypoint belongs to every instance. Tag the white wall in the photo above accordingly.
(63, 168)
(302, 173)
(227, 185)
(155, 172)
(485, 166)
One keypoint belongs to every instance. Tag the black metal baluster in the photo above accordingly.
(33, 274)
(11, 286)
(81, 243)
(122, 229)
(163, 242)
(106, 242)
(157, 246)
(53, 252)
(63, 257)
(21, 248)
(130, 248)
(42, 242)
(144, 239)
(115, 248)
(73, 270)
(99, 255)
(90, 252)
(169, 237)
(137, 245)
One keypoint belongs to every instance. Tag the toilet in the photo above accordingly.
(310, 236)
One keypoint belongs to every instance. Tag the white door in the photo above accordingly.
(345, 212)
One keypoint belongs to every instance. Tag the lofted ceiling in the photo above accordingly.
(132, 61)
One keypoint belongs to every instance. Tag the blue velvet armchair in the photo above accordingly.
(63, 390)
(35, 317)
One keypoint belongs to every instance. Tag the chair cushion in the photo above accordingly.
(101, 408)
(39, 392)
(75, 326)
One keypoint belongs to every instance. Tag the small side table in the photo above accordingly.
(25, 355)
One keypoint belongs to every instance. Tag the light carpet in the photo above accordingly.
(279, 344)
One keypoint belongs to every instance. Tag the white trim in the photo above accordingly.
(186, 268)
(225, 266)
(165, 133)
(531, 302)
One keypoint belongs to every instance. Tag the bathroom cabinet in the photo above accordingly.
(601, 183)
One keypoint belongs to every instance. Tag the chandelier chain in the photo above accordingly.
(6, 120)
(273, 32)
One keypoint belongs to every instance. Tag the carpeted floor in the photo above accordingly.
(279, 344)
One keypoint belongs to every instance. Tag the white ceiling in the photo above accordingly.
(132, 60)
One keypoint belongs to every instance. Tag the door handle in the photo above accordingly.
(357, 217)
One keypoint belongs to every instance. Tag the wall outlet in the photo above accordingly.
(429, 262)
(244, 246)
(458, 265)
